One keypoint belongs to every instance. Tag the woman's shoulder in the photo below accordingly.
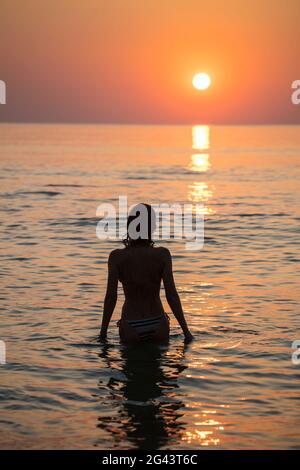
(115, 254)
(163, 251)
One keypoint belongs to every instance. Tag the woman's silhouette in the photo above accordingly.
(140, 267)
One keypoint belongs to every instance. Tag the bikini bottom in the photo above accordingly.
(156, 328)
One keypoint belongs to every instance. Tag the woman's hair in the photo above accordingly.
(141, 223)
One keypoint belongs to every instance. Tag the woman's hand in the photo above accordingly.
(102, 335)
(188, 337)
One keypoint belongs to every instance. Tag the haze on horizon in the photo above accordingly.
(133, 62)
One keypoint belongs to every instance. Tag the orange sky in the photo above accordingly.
(133, 60)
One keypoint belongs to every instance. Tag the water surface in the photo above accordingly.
(235, 386)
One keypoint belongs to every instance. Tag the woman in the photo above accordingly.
(140, 267)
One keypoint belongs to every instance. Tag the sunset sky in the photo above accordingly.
(133, 61)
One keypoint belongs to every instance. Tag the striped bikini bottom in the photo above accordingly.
(146, 327)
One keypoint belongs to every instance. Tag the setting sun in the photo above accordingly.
(201, 81)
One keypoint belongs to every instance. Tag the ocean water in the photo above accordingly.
(235, 386)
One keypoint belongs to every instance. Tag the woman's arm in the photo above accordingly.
(172, 295)
(111, 294)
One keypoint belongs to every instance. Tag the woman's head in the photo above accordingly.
(141, 224)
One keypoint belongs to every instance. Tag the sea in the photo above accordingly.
(236, 386)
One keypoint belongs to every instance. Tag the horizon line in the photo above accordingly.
(107, 123)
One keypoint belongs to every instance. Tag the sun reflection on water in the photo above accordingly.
(204, 438)
(208, 434)
(200, 137)
(199, 162)
(200, 191)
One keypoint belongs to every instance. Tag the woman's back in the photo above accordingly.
(140, 270)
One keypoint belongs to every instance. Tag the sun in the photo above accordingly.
(201, 81)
